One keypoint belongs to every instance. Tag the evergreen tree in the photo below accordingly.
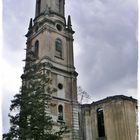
(30, 115)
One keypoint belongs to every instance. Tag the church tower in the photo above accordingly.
(51, 39)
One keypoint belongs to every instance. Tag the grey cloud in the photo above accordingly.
(6, 97)
(106, 33)
(16, 17)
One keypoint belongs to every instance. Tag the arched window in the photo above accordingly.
(36, 50)
(38, 7)
(60, 113)
(100, 122)
(58, 47)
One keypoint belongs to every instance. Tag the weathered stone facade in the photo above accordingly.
(51, 39)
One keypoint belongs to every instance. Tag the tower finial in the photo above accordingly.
(30, 24)
(30, 27)
(69, 22)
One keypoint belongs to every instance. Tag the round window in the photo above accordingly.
(59, 27)
(60, 86)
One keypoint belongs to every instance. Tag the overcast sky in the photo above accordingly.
(105, 46)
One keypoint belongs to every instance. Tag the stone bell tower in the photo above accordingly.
(51, 39)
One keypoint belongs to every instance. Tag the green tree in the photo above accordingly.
(30, 109)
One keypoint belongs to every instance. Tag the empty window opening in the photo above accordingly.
(38, 7)
(61, 11)
(36, 50)
(60, 6)
(100, 122)
(60, 113)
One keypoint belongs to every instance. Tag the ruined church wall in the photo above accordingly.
(120, 119)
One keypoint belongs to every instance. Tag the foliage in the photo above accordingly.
(30, 109)
(83, 96)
